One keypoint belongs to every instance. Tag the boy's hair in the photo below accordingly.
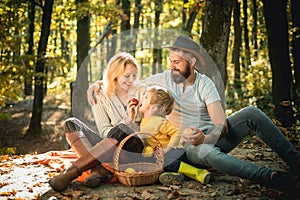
(162, 98)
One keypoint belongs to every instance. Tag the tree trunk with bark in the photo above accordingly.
(254, 29)
(136, 22)
(81, 85)
(278, 45)
(194, 12)
(126, 43)
(37, 110)
(246, 57)
(184, 10)
(215, 32)
(296, 48)
(157, 57)
(237, 47)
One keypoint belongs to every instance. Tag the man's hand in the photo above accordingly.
(192, 136)
(93, 89)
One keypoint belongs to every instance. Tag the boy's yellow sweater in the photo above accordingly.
(161, 129)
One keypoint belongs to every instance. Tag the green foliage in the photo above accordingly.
(256, 87)
(8, 150)
(16, 66)
(110, 11)
(5, 116)
(255, 79)
(11, 83)
(11, 38)
(193, 4)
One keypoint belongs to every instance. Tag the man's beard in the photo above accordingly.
(181, 76)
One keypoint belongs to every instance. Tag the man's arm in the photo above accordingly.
(217, 115)
(220, 127)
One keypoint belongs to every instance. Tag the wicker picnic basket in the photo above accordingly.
(145, 172)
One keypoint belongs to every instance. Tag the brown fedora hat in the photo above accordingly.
(186, 43)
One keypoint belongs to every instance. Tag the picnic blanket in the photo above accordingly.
(62, 160)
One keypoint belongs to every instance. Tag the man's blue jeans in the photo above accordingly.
(241, 123)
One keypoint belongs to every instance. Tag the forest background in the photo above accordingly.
(255, 45)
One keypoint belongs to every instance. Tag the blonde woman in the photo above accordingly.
(115, 117)
(114, 100)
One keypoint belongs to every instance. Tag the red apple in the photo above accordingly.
(135, 101)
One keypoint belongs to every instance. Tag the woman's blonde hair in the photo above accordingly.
(115, 68)
(163, 98)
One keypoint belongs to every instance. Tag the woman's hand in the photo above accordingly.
(192, 136)
(93, 89)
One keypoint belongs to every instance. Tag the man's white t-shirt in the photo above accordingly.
(190, 105)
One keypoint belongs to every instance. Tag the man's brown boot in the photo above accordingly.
(102, 151)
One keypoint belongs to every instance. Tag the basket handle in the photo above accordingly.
(159, 153)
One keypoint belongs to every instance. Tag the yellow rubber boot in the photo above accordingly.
(201, 175)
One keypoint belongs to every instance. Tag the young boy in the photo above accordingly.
(155, 105)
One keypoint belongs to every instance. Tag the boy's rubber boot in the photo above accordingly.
(201, 175)
(102, 151)
(171, 178)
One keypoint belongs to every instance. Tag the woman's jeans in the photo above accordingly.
(241, 123)
(73, 124)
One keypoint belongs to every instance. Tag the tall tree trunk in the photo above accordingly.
(236, 47)
(64, 45)
(83, 46)
(30, 53)
(246, 62)
(277, 31)
(137, 14)
(157, 57)
(136, 23)
(191, 20)
(215, 32)
(125, 23)
(83, 37)
(126, 44)
(17, 42)
(37, 110)
(111, 44)
(184, 10)
(296, 46)
(254, 28)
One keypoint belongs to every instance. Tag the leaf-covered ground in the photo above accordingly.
(23, 178)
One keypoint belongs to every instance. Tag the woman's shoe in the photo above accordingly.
(98, 175)
(93, 181)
